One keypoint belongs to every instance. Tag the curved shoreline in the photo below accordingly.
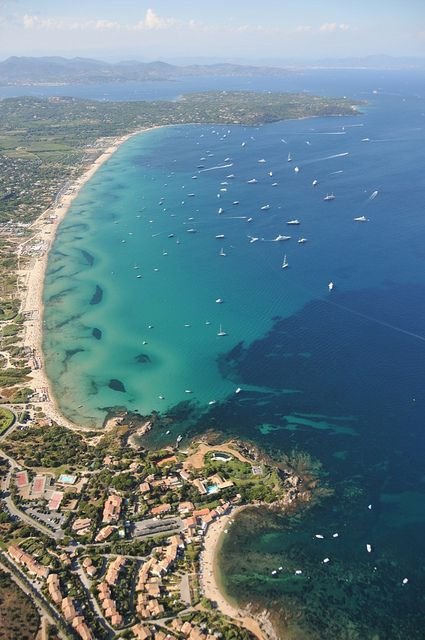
(209, 578)
(44, 231)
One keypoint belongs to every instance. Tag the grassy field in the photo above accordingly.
(7, 418)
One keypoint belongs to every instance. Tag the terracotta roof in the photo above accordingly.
(112, 509)
(162, 508)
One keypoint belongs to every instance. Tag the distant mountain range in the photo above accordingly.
(57, 70)
(25, 70)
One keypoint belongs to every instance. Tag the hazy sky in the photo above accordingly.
(228, 29)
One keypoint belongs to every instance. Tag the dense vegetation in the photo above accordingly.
(18, 615)
(45, 446)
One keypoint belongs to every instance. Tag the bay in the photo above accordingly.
(338, 374)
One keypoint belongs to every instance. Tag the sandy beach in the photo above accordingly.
(32, 279)
(31, 286)
(259, 626)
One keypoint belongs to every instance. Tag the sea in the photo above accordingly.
(166, 292)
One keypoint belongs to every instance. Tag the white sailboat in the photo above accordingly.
(289, 157)
(331, 286)
(222, 252)
(221, 332)
(285, 263)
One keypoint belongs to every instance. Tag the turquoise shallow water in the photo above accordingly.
(340, 375)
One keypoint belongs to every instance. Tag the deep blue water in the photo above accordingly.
(340, 375)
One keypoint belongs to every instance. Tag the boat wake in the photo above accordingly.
(377, 321)
(219, 166)
(336, 155)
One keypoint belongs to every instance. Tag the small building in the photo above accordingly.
(112, 509)
(68, 609)
(144, 487)
(161, 509)
(81, 524)
(53, 585)
(199, 484)
(141, 632)
(186, 507)
(104, 533)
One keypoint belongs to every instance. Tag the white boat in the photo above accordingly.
(221, 332)
(328, 197)
(302, 240)
(285, 264)
(219, 301)
(252, 239)
(238, 390)
(235, 202)
(294, 222)
(296, 169)
(220, 211)
(279, 238)
(252, 181)
(262, 160)
(369, 548)
(222, 252)
(270, 173)
(191, 230)
(274, 184)
(361, 219)
(289, 157)
(314, 183)
(265, 207)
(331, 286)
(230, 176)
(220, 236)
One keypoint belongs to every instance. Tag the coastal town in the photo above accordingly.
(115, 540)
